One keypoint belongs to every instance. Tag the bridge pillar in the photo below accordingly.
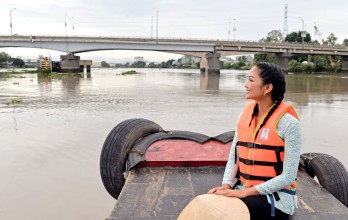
(70, 63)
(210, 63)
(282, 60)
(344, 64)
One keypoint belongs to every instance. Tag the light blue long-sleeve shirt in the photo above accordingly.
(288, 129)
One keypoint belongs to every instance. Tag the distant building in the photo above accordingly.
(249, 59)
(31, 63)
(227, 60)
(188, 60)
(96, 64)
(137, 59)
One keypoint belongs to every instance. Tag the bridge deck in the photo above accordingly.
(224, 47)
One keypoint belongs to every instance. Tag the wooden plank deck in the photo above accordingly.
(162, 192)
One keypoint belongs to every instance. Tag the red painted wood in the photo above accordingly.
(186, 153)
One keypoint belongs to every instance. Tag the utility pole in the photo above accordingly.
(285, 29)
(65, 26)
(66, 36)
(11, 19)
(157, 27)
(229, 31)
(302, 33)
(234, 29)
(73, 26)
(151, 27)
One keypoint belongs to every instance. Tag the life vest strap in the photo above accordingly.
(259, 146)
(261, 163)
(251, 177)
(291, 192)
(272, 205)
(279, 165)
(275, 195)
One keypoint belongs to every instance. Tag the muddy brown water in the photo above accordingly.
(51, 140)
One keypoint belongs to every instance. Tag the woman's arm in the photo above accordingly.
(231, 168)
(289, 129)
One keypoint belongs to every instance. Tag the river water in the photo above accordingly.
(51, 141)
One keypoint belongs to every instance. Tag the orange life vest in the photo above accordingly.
(261, 158)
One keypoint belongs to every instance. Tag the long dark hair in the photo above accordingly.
(273, 74)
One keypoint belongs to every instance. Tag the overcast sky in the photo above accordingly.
(177, 18)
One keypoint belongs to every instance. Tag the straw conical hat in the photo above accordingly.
(215, 207)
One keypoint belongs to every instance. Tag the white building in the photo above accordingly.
(189, 59)
(137, 59)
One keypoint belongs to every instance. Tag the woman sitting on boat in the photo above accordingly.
(265, 153)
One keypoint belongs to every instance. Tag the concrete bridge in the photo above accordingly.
(208, 50)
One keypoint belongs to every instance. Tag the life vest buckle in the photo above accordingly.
(250, 145)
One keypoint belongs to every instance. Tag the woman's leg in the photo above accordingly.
(259, 208)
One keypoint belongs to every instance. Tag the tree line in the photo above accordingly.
(141, 64)
(314, 63)
(6, 60)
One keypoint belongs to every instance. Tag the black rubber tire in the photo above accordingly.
(115, 150)
(331, 173)
(138, 151)
(225, 137)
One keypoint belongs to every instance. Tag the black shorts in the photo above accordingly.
(259, 208)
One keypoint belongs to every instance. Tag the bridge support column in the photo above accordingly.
(70, 63)
(282, 60)
(344, 64)
(210, 63)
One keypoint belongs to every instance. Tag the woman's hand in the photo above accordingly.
(237, 193)
(223, 187)
(232, 193)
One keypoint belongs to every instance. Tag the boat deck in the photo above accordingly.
(160, 193)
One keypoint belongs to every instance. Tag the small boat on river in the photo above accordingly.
(154, 173)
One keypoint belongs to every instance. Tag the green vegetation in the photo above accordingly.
(104, 64)
(30, 71)
(138, 64)
(14, 102)
(273, 37)
(7, 76)
(242, 63)
(305, 63)
(345, 42)
(130, 72)
(17, 62)
(6, 60)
